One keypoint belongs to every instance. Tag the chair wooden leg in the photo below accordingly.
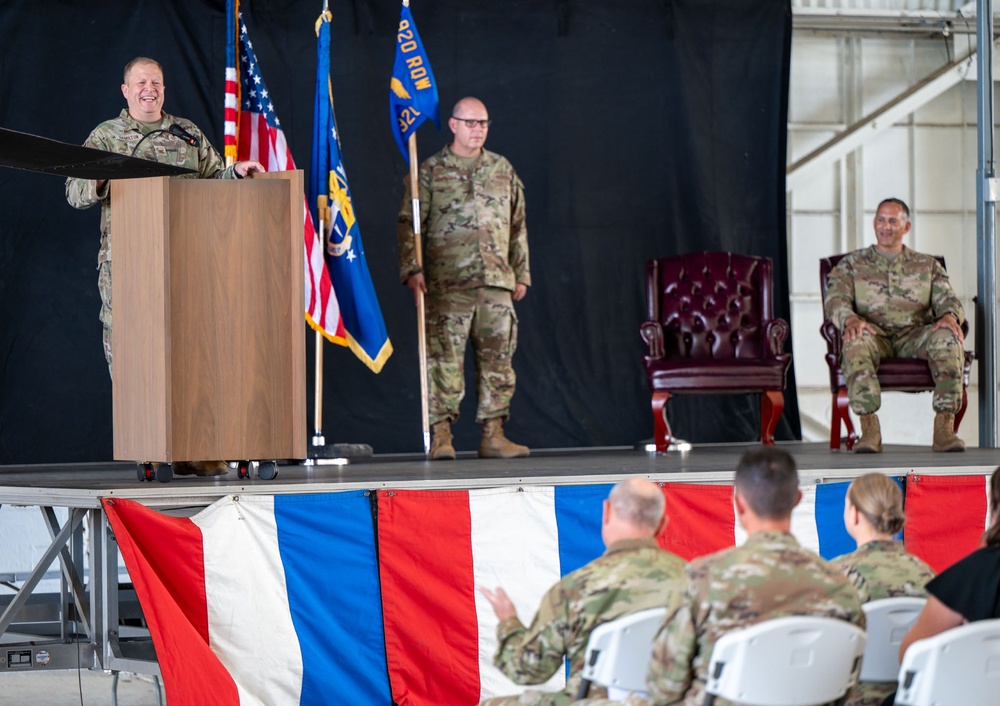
(836, 415)
(841, 414)
(961, 410)
(772, 402)
(661, 427)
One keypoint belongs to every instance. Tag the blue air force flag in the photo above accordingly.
(413, 96)
(345, 256)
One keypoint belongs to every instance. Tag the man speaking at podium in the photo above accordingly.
(144, 130)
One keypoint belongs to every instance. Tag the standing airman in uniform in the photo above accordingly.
(475, 265)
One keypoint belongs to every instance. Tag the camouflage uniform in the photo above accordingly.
(902, 298)
(882, 569)
(475, 251)
(632, 575)
(120, 136)
(770, 576)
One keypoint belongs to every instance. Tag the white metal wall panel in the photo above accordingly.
(821, 192)
(886, 70)
(887, 172)
(937, 169)
(816, 74)
(881, 5)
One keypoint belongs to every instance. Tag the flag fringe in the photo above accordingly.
(338, 340)
(374, 364)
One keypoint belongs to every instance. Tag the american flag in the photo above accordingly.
(253, 132)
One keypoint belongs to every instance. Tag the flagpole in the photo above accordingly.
(322, 213)
(318, 439)
(421, 317)
(413, 98)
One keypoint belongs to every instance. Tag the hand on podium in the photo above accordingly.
(241, 169)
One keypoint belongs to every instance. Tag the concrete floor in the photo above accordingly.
(66, 688)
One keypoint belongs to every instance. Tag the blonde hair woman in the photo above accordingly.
(880, 568)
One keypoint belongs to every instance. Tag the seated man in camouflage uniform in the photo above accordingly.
(888, 300)
(144, 130)
(632, 575)
(770, 576)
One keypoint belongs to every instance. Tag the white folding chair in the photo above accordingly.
(888, 620)
(793, 661)
(618, 652)
(959, 667)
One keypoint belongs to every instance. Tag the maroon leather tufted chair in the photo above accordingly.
(711, 329)
(894, 374)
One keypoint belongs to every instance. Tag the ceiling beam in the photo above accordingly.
(882, 118)
(854, 20)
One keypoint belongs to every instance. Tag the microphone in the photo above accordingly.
(175, 130)
(180, 132)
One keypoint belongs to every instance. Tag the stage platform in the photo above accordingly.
(95, 621)
(83, 485)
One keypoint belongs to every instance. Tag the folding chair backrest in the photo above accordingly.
(888, 620)
(959, 667)
(790, 661)
(618, 652)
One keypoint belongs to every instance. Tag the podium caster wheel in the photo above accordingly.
(243, 470)
(267, 470)
(144, 471)
(164, 473)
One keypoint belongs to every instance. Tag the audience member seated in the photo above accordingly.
(633, 574)
(890, 301)
(880, 568)
(968, 590)
(770, 576)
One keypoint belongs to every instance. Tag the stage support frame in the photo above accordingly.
(79, 627)
(986, 198)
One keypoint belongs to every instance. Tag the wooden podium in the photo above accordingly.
(207, 336)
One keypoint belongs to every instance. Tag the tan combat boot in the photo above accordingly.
(210, 468)
(871, 436)
(182, 468)
(441, 448)
(495, 445)
(944, 433)
(200, 468)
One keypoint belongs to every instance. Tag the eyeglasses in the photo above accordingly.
(471, 123)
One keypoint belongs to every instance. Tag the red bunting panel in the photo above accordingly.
(945, 517)
(701, 519)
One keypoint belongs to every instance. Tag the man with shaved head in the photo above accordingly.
(633, 574)
(475, 265)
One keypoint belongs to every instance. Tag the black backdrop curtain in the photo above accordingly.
(640, 128)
